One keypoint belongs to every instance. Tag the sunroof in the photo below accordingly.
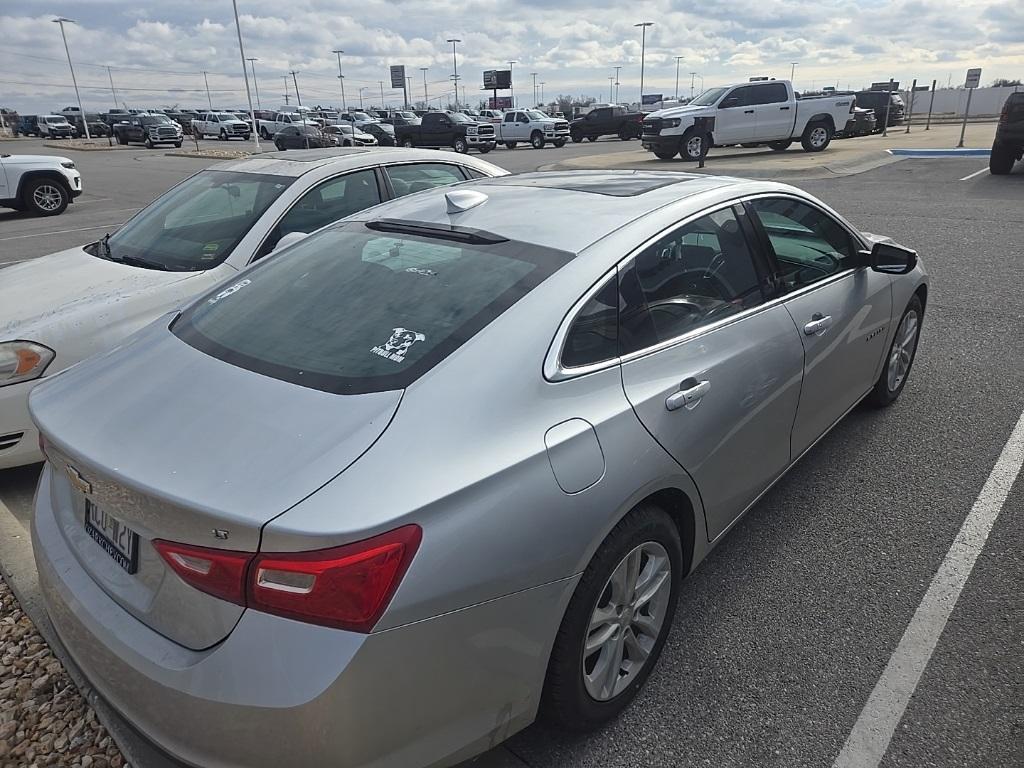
(612, 183)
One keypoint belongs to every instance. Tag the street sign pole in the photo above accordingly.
(973, 81)
(910, 109)
(888, 103)
(931, 103)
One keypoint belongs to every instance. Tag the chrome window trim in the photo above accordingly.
(554, 371)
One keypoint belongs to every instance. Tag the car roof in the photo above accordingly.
(564, 210)
(297, 162)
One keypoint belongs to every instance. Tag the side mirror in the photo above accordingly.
(729, 101)
(290, 239)
(892, 259)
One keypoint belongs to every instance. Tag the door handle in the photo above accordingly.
(689, 394)
(783, 108)
(819, 325)
(748, 111)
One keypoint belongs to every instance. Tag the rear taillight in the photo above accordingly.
(346, 587)
(218, 572)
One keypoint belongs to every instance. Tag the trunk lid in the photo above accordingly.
(209, 467)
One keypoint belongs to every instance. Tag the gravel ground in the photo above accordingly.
(43, 719)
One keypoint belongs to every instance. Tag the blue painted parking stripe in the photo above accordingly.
(940, 152)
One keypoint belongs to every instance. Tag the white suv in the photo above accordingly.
(43, 184)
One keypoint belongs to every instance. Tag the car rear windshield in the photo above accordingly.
(351, 309)
(195, 225)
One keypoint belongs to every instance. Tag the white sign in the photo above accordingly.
(973, 78)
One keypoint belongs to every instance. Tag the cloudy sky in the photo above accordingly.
(157, 51)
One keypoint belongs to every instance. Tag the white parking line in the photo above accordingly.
(60, 231)
(976, 173)
(868, 741)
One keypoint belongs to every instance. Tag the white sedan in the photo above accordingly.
(59, 309)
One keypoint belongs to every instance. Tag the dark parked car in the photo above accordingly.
(877, 100)
(115, 116)
(149, 130)
(384, 133)
(607, 121)
(862, 122)
(448, 129)
(402, 118)
(183, 118)
(302, 137)
(97, 128)
(1008, 146)
(350, 136)
(28, 125)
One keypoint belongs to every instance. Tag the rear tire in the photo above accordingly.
(606, 603)
(780, 146)
(817, 136)
(900, 359)
(1001, 159)
(624, 135)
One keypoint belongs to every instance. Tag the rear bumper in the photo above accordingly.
(280, 692)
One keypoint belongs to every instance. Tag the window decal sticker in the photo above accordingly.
(397, 347)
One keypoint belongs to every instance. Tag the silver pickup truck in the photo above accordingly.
(751, 114)
(533, 126)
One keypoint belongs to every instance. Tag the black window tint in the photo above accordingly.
(593, 337)
(324, 204)
(770, 94)
(743, 96)
(701, 273)
(808, 243)
(353, 310)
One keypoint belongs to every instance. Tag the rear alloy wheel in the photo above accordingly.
(900, 358)
(616, 623)
(46, 197)
(1001, 159)
(816, 137)
(780, 146)
(460, 145)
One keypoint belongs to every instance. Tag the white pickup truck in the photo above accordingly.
(223, 125)
(533, 126)
(284, 119)
(751, 114)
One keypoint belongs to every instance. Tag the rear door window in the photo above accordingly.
(416, 177)
(354, 309)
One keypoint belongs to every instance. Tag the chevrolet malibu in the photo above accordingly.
(61, 308)
(440, 467)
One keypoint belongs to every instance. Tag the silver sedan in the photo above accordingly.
(440, 467)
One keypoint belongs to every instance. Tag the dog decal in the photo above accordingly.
(397, 347)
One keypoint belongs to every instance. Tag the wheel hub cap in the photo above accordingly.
(902, 353)
(47, 197)
(626, 621)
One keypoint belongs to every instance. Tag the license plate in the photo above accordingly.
(117, 539)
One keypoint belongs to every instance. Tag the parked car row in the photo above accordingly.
(228, 389)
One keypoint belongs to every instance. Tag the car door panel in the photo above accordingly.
(841, 359)
(734, 441)
(736, 124)
(773, 112)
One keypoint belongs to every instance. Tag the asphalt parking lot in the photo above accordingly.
(784, 631)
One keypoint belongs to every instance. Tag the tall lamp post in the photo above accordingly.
(455, 68)
(511, 84)
(341, 79)
(542, 92)
(534, 76)
(245, 74)
(792, 70)
(692, 76)
(361, 89)
(617, 84)
(611, 84)
(381, 84)
(678, 59)
(643, 50)
(71, 66)
(252, 63)
(426, 98)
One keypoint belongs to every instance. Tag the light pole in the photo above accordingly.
(381, 84)
(617, 84)
(341, 79)
(298, 103)
(208, 99)
(252, 63)
(455, 68)
(245, 74)
(611, 84)
(678, 59)
(60, 20)
(792, 69)
(534, 76)
(643, 50)
(111, 78)
(512, 85)
(426, 98)
(287, 95)
(361, 89)
(692, 76)
(542, 92)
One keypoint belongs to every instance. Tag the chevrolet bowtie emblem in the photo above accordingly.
(77, 481)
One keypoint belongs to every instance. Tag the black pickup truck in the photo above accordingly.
(448, 129)
(607, 121)
(149, 130)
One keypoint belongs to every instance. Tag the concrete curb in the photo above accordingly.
(86, 148)
(208, 155)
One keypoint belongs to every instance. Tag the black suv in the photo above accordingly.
(1009, 142)
(97, 128)
(877, 101)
